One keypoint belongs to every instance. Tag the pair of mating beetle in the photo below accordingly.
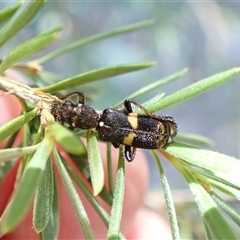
(124, 127)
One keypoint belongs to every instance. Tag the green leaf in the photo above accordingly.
(151, 102)
(12, 126)
(95, 163)
(207, 230)
(19, 20)
(148, 103)
(11, 140)
(227, 208)
(217, 224)
(168, 198)
(52, 228)
(21, 198)
(91, 39)
(153, 86)
(205, 158)
(67, 139)
(224, 188)
(110, 169)
(212, 164)
(213, 218)
(43, 200)
(75, 200)
(9, 11)
(194, 139)
(11, 153)
(95, 75)
(194, 89)
(118, 197)
(88, 194)
(28, 48)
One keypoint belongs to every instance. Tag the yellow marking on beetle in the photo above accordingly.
(128, 140)
(162, 128)
(133, 120)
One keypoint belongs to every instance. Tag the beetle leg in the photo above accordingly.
(116, 145)
(81, 98)
(129, 153)
(128, 105)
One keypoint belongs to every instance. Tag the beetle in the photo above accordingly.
(135, 130)
(75, 115)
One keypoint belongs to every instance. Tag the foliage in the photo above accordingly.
(203, 170)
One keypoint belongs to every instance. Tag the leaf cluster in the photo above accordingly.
(204, 170)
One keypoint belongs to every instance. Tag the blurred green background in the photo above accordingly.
(202, 36)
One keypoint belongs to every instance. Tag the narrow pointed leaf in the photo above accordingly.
(216, 165)
(213, 218)
(95, 75)
(168, 198)
(9, 11)
(12, 126)
(207, 231)
(118, 197)
(19, 20)
(95, 164)
(225, 188)
(151, 102)
(88, 194)
(227, 208)
(110, 169)
(52, 228)
(28, 48)
(23, 195)
(67, 139)
(194, 89)
(43, 200)
(91, 39)
(154, 85)
(194, 139)
(75, 200)
(8, 154)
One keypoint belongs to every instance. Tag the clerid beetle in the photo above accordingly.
(134, 130)
(118, 127)
(75, 115)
